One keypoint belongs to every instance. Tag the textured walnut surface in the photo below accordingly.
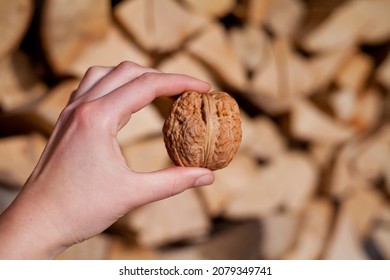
(203, 130)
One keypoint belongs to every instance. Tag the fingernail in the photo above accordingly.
(204, 180)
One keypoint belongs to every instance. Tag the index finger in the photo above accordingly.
(133, 96)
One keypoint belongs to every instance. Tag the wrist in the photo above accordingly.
(27, 234)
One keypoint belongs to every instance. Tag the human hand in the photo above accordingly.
(82, 185)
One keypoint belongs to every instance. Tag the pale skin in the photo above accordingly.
(82, 185)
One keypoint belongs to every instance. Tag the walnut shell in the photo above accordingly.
(203, 130)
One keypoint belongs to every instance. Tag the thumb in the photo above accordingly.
(168, 182)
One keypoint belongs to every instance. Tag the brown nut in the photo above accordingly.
(203, 130)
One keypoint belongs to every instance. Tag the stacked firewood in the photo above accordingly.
(311, 179)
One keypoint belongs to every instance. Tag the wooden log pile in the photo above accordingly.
(312, 177)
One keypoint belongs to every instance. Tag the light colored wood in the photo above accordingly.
(213, 48)
(213, 9)
(50, 107)
(265, 141)
(143, 124)
(313, 231)
(250, 44)
(383, 73)
(110, 50)
(368, 111)
(343, 181)
(372, 160)
(279, 233)
(147, 155)
(322, 153)
(160, 26)
(360, 111)
(184, 63)
(267, 190)
(376, 29)
(284, 17)
(285, 76)
(229, 184)
(19, 155)
(356, 218)
(381, 239)
(15, 17)
(362, 208)
(355, 72)
(95, 248)
(66, 29)
(326, 65)
(237, 241)
(344, 243)
(121, 250)
(352, 23)
(20, 85)
(257, 11)
(177, 218)
(380, 234)
(309, 123)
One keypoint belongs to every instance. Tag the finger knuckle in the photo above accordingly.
(127, 65)
(93, 71)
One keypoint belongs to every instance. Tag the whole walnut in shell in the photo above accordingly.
(203, 130)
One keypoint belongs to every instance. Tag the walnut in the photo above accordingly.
(203, 130)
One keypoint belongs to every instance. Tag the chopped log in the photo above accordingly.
(159, 26)
(313, 231)
(368, 111)
(110, 50)
(222, 244)
(352, 23)
(285, 76)
(326, 65)
(381, 240)
(376, 29)
(20, 84)
(15, 17)
(268, 190)
(66, 29)
(145, 123)
(213, 9)
(184, 63)
(344, 243)
(95, 248)
(355, 219)
(147, 155)
(279, 232)
(19, 155)
(322, 153)
(355, 72)
(383, 73)
(310, 124)
(284, 17)
(160, 222)
(361, 209)
(257, 11)
(250, 44)
(265, 141)
(380, 234)
(121, 250)
(7, 195)
(362, 112)
(229, 183)
(213, 48)
(372, 160)
(50, 107)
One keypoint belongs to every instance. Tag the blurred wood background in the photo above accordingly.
(312, 176)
